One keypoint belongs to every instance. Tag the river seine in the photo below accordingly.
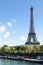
(14, 62)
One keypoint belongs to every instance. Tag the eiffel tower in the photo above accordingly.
(32, 39)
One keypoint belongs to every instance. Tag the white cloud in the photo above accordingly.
(14, 32)
(2, 43)
(2, 28)
(8, 43)
(0, 38)
(14, 20)
(23, 38)
(9, 23)
(6, 34)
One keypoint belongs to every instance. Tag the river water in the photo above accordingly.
(14, 62)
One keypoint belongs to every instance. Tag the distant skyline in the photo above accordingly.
(15, 21)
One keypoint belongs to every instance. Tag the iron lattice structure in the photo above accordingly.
(32, 39)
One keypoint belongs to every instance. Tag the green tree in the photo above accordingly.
(41, 47)
(36, 48)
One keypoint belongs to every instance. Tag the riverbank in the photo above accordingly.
(22, 59)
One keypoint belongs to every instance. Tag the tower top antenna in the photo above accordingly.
(31, 8)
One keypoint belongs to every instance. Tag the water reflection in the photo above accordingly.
(14, 62)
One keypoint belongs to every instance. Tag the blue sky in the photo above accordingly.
(15, 20)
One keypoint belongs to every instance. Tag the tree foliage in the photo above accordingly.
(21, 49)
